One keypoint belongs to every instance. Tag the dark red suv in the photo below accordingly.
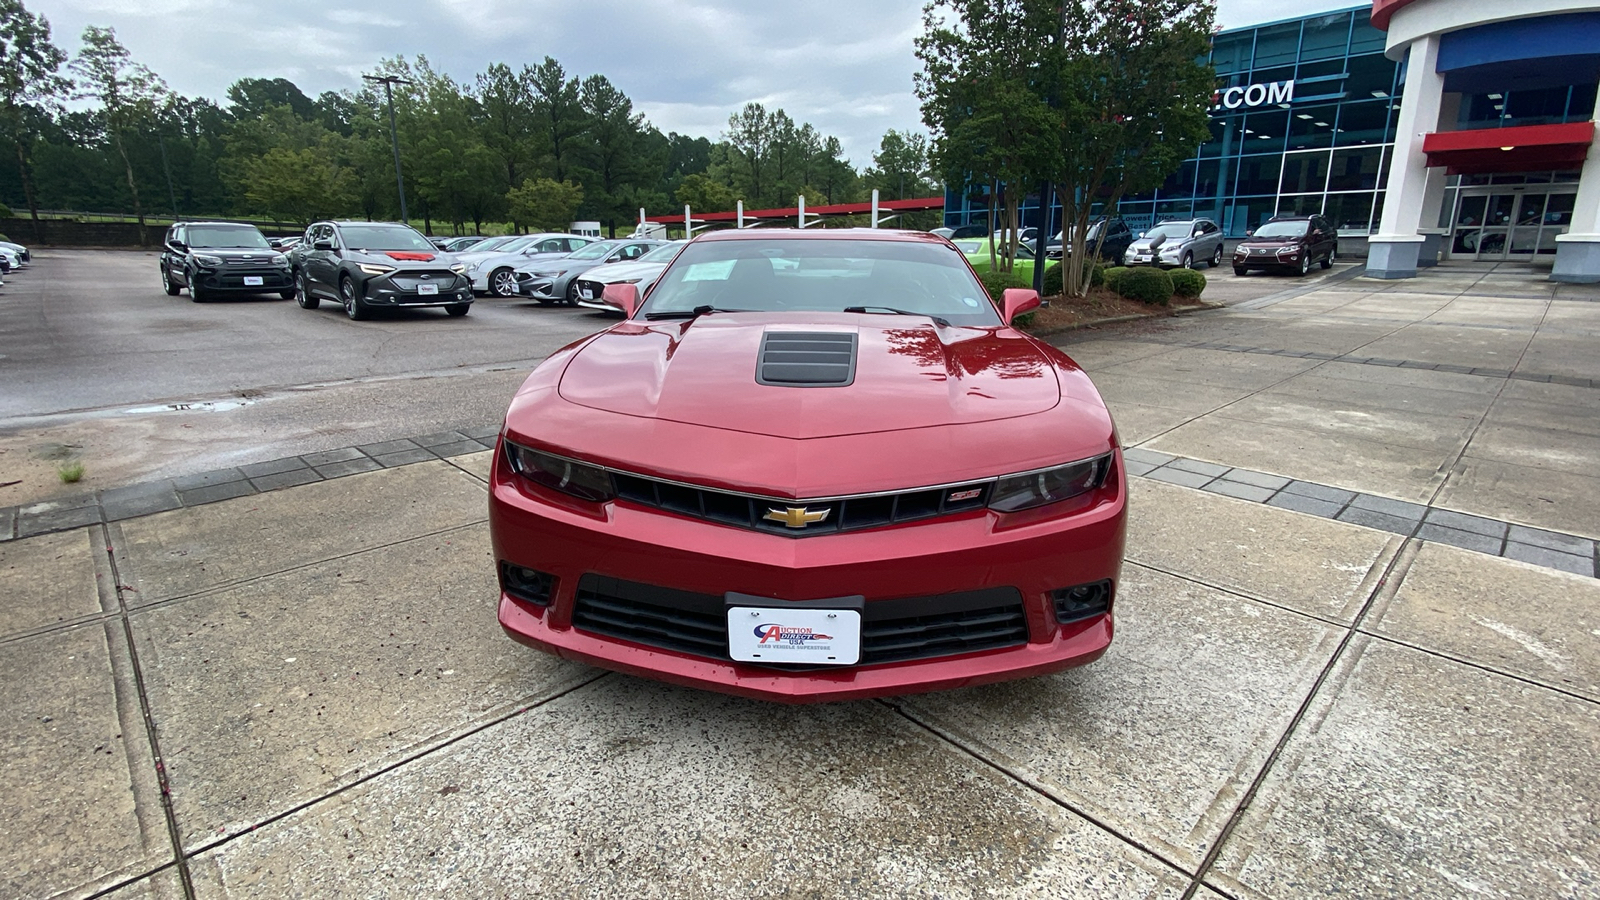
(1290, 243)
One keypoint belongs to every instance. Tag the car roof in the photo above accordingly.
(824, 234)
(222, 224)
(1293, 218)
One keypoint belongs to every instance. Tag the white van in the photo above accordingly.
(585, 229)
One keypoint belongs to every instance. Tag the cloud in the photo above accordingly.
(845, 66)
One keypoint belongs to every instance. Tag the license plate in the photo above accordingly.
(252, 281)
(816, 637)
(586, 293)
(428, 290)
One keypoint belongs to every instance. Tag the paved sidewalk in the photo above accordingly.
(1299, 701)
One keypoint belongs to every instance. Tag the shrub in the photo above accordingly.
(1112, 278)
(1052, 281)
(1147, 284)
(997, 282)
(1187, 283)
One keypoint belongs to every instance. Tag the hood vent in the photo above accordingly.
(802, 359)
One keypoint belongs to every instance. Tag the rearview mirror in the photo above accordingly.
(1017, 301)
(625, 297)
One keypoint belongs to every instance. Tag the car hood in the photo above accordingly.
(1271, 242)
(514, 259)
(1153, 243)
(612, 273)
(908, 374)
(403, 259)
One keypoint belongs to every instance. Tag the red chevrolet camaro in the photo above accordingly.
(811, 466)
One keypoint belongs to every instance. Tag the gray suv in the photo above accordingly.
(1179, 242)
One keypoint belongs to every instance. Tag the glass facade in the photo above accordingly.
(1303, 123)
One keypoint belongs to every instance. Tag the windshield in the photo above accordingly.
(595, 251)
(661, 254)
(1170, 230)
(515, 244)
(385, 237)
(223, 237)
(823, 275)
(494, 243)
(1282, 230)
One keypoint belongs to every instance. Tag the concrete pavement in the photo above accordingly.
(1332, 673)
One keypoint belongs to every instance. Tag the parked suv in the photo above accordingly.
(216, 258)
(1290, 243)
(1182, 242)
(368, 265)
(1111, 239)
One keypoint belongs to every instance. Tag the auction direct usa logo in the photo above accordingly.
(788, 634)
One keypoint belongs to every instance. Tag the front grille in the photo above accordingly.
(891, 630)
(590, 290)
(274, 279)
(246, 262)
(771, 515)
(802, 359)
(408, 280)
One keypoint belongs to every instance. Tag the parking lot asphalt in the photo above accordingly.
(1357, 654)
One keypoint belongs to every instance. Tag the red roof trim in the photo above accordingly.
(1523, 149)
(1384, 10)
(837, 209)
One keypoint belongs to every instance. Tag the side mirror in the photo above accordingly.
(1250, 233)
(180, 246)
(1018, 301)
(323, 245)
(626, 297)
(1140, 235)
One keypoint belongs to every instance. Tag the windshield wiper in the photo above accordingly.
(941, 321)
(695, 313)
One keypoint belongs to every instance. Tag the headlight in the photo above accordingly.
(1018, 492)
(375, 270)
(630, 281)
(208, 260)
(278, 259)
(459, 269)
(578, 479)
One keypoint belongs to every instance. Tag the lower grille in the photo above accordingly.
(891, 630)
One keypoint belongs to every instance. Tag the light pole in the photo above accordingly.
(388, 82)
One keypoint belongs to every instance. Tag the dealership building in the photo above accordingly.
(1434, 129)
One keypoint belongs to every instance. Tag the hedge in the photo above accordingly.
(1187, 283)
(1112, 278)
(1147, 284)
(997, 282)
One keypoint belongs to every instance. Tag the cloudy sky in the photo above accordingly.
(843, 65)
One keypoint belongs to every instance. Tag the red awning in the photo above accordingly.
(1384, 10)
(1528, 148)
(836, 209)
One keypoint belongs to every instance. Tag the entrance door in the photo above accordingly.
(1501, 226)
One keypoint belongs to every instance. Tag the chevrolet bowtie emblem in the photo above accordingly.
(796, 516)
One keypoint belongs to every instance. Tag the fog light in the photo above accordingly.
(1084, 601)
(530, 585)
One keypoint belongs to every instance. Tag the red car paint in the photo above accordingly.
(929, 405)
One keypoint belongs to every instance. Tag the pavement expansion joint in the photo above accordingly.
(1495, 537)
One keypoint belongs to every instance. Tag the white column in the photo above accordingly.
(1578, 251)
(688, 223)
(741, 214)
(802, 210)
(874, 207)
(1394, 249)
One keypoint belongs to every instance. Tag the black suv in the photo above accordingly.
(370, 265)
(216, 258)
(1111, 236)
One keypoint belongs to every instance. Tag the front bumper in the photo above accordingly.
(232, 280)
(1276, 259)
(1025, 556)
(403, 288)
(539, 288)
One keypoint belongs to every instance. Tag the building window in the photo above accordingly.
(1304, 172)
(1362, 123)
(1350, 212)
(1277, 45)
(1356, 170)
(1312, 126)
(1325, 37)
(1259, 174)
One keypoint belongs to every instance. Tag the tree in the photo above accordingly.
(505, 109)
(250, 97)
(749, 138)
(559, 119)
(901, 166)
(613, 160)
(545, 203)
(127, 91)
(1100, 96)
(31, 85)
(702, 194)
(984, 89)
